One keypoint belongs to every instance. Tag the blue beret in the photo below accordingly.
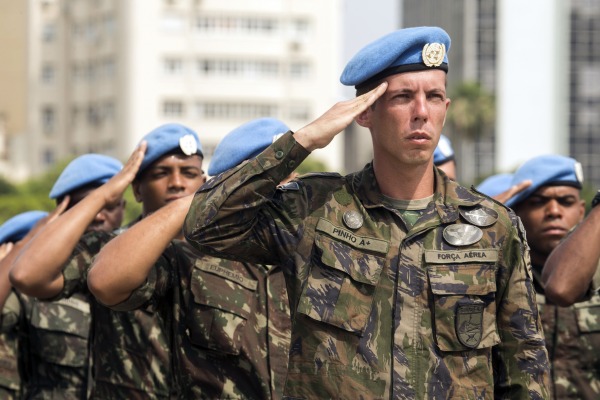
(495, 184)
(409, 49)
(85, 170)
(15, 228)
(167, 139)
(443, 152)
(547, 170)
(245, 142)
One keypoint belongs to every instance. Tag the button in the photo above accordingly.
(291, 163)
(279, 154)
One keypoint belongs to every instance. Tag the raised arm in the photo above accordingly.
(569, 269)
(12, 250)
(37, 271)
(226, 216)
(512, 191)
(124, 263)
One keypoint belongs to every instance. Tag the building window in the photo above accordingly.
(237, 25)
(240, 68)
(48, 74)
(173, 109)
(173, 66)
(299, 70)
(109, 25)
(299, 112)
(240, 111)
(49, 33)
(48, 157)
(48, 119)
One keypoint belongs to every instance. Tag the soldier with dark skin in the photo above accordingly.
(572, 271)
(12, 374)
(231, 319)
(549, 209)
(402, 283)
(54, 336)
(131, 352)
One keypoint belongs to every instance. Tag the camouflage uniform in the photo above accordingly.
(379, 312)
(50, 339)
(130, 352)
(230, 323)
(10, 377)
(573, 343)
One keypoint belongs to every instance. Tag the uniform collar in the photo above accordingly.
(448, 195)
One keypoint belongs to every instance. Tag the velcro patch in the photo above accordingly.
(226, 273)
(346, 236)
(73, 302)
(460, 256)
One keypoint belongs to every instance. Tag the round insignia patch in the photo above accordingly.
(188, 145)
(353, 219)
(462, 234)
(481, 216)
(433, 54)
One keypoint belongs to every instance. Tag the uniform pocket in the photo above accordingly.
(339, 290)
(222, 301)
(464, 306)
(588, 315)
(61, 330)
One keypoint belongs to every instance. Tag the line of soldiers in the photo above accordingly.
(391, 282)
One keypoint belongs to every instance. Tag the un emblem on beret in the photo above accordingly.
(188, 145)
(433, 54)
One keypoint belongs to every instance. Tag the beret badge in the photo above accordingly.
(433, 54)
(188, 145)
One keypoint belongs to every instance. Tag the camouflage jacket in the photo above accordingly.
(50, 342)
(380, 312)
(230, 322)
(130, 352)
(10, 376)
(573, 343)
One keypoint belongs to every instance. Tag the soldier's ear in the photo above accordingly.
(364, 118)
(135, 186)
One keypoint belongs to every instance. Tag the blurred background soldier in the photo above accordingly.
(549, 209)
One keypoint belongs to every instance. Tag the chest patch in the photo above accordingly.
(356, 241)
(460, 256)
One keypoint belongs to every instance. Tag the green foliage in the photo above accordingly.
(311, 164)
(133, 209)
(472, 111)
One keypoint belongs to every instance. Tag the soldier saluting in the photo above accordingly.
(376, 313)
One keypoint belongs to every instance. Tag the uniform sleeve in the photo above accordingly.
(76, 268)
(235, 215)
(521, 359)
(9, 317)
(160, 279)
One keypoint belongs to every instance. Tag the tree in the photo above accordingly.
(473, 110)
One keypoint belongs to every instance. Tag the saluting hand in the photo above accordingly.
(116, 186)
(321, 131)
(512, 191)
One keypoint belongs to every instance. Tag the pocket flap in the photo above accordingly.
(361, 267)
(462, 279)
(223, 288)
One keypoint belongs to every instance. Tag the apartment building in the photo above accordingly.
(102, 73)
